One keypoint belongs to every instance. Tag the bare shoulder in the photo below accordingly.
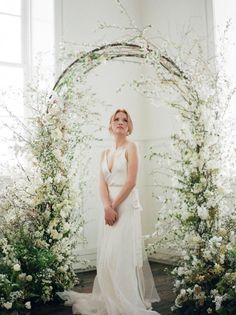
(132, 150)
(132, 146)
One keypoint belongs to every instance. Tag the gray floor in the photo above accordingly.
(163, 283)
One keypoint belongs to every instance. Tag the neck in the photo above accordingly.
(120, 141)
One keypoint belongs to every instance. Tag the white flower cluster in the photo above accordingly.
(55, 135)
(14, 295)
(196, 186)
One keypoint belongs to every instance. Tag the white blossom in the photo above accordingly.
(16, 267)
(28, 305)
(29, 278)
(7, 305)
(202, 213)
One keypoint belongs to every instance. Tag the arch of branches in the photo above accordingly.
(91, 59)
(172, 77)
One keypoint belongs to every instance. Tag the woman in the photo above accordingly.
(124, 283)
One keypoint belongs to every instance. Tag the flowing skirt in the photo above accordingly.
(124, 283)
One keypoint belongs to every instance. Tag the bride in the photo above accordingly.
(124, 284)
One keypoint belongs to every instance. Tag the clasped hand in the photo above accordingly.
(110, 215)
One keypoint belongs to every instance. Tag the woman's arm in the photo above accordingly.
(110, 214)
(103, 187)
(132, 175)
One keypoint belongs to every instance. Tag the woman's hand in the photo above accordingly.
(110, 215)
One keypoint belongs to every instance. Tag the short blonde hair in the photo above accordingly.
(130, 123)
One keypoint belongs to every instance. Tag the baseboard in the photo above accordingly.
(166, 256)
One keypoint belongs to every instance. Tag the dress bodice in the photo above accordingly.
(117, 177)
(118, 174)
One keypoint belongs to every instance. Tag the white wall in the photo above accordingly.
(224, 14)
(77, 21)
(42, 39)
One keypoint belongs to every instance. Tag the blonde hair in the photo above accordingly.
(130, 123)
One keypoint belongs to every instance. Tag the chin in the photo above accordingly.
(121, 132)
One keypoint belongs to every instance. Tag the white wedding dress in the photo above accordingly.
(124, 283)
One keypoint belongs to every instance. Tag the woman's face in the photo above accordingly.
(120, 124)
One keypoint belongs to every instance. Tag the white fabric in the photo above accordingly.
(124, 283)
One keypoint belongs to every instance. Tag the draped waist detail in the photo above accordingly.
(131, 200)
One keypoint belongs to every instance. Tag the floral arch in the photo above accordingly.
(194, 205)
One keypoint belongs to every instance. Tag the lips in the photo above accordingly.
(120, 127)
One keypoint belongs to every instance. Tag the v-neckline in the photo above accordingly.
(113, 162)
(110, 171)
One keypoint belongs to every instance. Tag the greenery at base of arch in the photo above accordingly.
(194, 210)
